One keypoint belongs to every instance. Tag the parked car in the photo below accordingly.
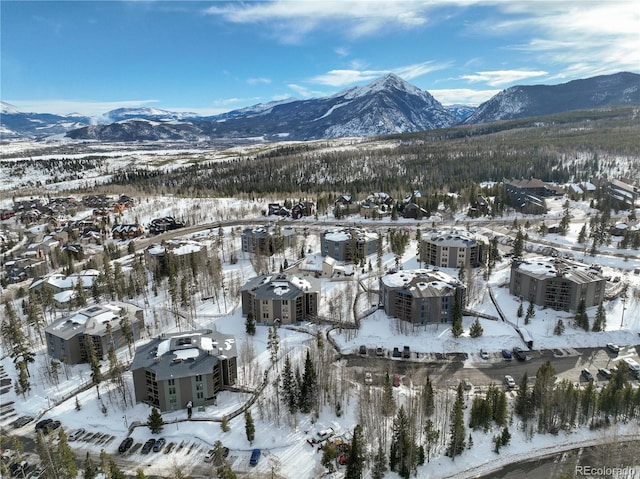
(509, 381)
(77, 434)
(208, 457)
(506, 354)
(379, 351)
(42, 424)
(466, 384)
(396, 380)
(586, 374)
(325, 434)
(406, 352)
(605, 373)
(614, 348)
(396, 353)
(146, 448)
(169, 447)
(157, 447)
(255, 457)
(368, 378)
(363, 349)
(21, 421)
(519, 354)
(484, 354)
(125, 444)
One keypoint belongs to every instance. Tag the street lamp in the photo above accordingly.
(126, 426)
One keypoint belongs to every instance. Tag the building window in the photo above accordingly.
(199, 387)
(199, 378)
(172, 382)
(172, 391)
(200, 395)
(265, 315)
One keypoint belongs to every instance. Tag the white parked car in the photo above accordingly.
(368, 378)
(509, 381)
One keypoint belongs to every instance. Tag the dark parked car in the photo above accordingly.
(363, 349)
(406, 352)
(169, 447)
(396, 353)
(157, 447)
(255, 457)
(586, 374)
(43, 424)
(605, 373)
(506, 354)
(146, 449)
(126, 444)
(519, 354)
(21, 421)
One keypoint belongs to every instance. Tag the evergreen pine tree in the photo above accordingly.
(224, 424)
(249, 426)
(155, 421)
(90, 468)
(518, 246)
(356, 457)
(379, 467)
(309, 386)
(559, 329)
(289, 387)
(457, 432)
(520, 311)
(476, 329)
(403, 448)
(456, 327)
(250, 324)
(431, 435)
(523, 399)
(139, 472)
(428, 397)
(66, 458)
(581, 318)
(600, 321)
(388, 405)
(94, 364)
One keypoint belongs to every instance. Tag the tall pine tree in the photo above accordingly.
(457, 433)
(356, 457)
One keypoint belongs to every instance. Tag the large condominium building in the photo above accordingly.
(348, 244)
(101, 324)
(422, 296)
(452, 249)
(281, 298)
(174, 369)
(267, 240)
(556, 283)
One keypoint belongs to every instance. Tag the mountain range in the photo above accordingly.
(387, 105)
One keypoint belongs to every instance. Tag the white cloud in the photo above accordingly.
(257, 81)
(340, 78)
(292, 19)
(462, 96)
(503, 77)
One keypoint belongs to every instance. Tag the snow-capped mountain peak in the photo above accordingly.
(389, 82)
(8, 109)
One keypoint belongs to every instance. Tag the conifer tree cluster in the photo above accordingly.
(299, 393)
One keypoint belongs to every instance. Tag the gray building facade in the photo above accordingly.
(281, 298)
(557, 284)
(452, 249)
(348, 245)
(423, 296)
(67, 337)
(174, 369)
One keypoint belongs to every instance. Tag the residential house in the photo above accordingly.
(528, 196)
(124, 232)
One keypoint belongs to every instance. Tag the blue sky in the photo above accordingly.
(211, 57)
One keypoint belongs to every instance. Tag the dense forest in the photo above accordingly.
(557, 148)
